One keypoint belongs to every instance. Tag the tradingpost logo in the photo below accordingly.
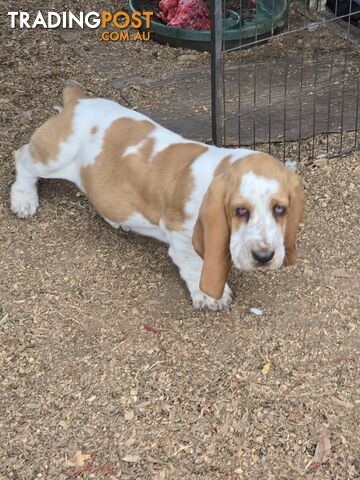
(113, 25)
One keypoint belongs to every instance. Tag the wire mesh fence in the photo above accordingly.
(289, 83)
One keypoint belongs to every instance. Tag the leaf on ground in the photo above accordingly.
(131, 458)
(129, 415)
(78, 459)
(343, 403)
(150, 329)
(266, 368)
(322, 451)
(340, 273)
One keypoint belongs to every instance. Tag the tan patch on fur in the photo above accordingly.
(45, 142)
(72, 94)
(93, 130)
(294, 218)
(157, 188)
(261, 164)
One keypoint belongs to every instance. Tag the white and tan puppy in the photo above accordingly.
(211, 205)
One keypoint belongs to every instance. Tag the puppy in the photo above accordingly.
(212, 206)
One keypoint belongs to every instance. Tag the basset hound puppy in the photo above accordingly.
(212, 206)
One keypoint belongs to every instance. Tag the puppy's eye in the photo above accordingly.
(242, 213)
(279, 210)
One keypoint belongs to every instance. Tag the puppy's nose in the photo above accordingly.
(262, 257)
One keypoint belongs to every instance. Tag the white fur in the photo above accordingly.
(81, 149)
(139, 224)
(291, 165)
(163, 138)
(24, 196)
(261, 232)
(190, 265)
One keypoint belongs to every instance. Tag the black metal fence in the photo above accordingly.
(286, 77)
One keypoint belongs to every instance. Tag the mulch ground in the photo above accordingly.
(106, 370)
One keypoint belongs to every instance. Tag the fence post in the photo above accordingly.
(217, 71)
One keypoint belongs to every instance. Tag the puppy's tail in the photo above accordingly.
(73, 92)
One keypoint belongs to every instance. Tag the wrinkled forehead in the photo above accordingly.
(260, 179)
(255, 188)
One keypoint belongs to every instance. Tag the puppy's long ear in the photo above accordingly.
(211, 238)
(295, 216)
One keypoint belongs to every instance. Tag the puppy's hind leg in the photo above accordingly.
(24, 196)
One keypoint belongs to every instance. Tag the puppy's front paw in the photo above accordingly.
(24, 203)
(201, 300)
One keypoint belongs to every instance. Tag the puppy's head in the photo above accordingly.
(250, 216)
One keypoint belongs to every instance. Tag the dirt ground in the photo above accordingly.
(102, 353)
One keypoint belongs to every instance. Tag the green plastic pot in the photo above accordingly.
(270, 15)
